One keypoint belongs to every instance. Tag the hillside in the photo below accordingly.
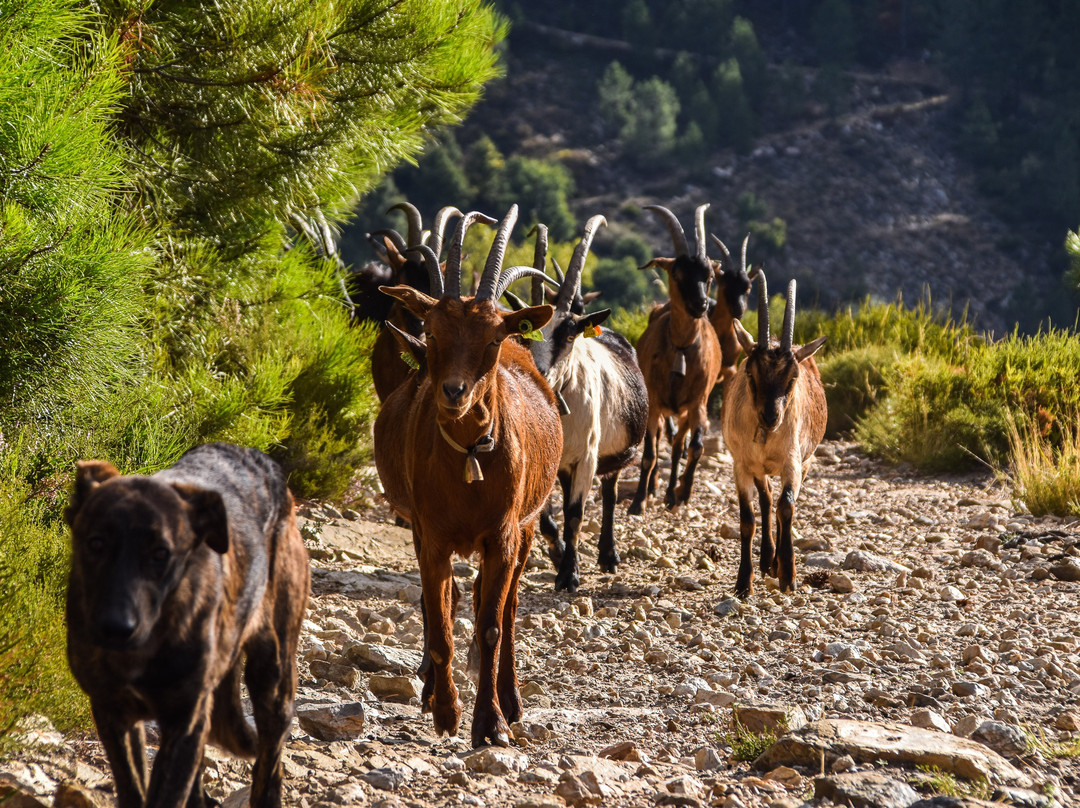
(875, 199)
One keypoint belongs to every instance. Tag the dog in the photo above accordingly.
(176, 578)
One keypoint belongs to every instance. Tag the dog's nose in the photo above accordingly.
(117, 627)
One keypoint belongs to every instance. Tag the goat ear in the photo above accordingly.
(527, 320)
(208, 517)
(394, 258)
(415, 301)
(89, 474)
(745, 340)
(665, 264)
(589, 297)
(809, 349)
(592, 319)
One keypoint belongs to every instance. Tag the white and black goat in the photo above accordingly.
(603, 402)
(773, 419)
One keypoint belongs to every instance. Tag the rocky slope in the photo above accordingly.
(875, 199)
(932, 648)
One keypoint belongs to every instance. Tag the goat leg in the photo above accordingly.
(608, 554)
(550, 531)
(744, 584)
(507, 686)
(437, 579)
(489, 726)
(671, 501)
(768, 549)
(648, 467)
(785, 551)
(697, 448)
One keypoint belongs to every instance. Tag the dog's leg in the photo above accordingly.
(228, 727)
(178, 766)
(126, 751)
(271, 686)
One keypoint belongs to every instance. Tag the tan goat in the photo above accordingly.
(773, 418)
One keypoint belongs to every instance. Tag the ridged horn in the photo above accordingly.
(762, 310)
(789, 318)
(416, 226)
(700, 242)
(489, 281)
(678, 237)
(725, 255)
(508, 276)
(431, 261)
(742, 258)
(453, 255)
(438, 229)
(395, 237)
(571, 284)
(539, 262)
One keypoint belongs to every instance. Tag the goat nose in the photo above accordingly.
(453, 390)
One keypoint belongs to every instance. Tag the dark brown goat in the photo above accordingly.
(733, 290)
(387, 369)
(469, 457)
(680, 359)
(773, 419)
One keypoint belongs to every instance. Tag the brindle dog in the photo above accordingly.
(175, 578)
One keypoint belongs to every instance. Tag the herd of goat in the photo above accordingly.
(484, 405)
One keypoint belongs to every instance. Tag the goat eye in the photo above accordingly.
(96, 545)
(160, 555)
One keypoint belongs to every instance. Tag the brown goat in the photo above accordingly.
(680, 359)
(469, 457)
(733, 290)
(773, 418)
(387, 369)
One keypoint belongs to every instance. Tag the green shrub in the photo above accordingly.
(854, 381)
(1045, 476)
(630, 323)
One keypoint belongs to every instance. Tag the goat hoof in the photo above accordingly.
(447, 719)
(634, 509)
(497, 734)
(568, 583)
(609, 563)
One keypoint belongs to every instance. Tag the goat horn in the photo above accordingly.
(539, 261)
(723, 252)
(516, 303)
(571, 284)
(431, 261)
(678, 237)
(489, 281)
(395, 237)
(789, 318)
(742, 258)
(453, 255)
(438, 229)
(508, 276)
(415, 222)
(762, 309)
(700, 243)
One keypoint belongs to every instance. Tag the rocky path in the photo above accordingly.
(931, 649)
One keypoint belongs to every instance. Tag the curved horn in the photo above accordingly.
(678, 237)
(453, 255)
(725, 255)
(762, 310)
(539, 262)
(416, 226)
(571, 284)
(789, 318)
(438, 229)
(489, 281)
(511, 274)
(395, 237)
(700, 242)
(742, 259)
(435, 277)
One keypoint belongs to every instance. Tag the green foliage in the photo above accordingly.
(72, 261)
(745, 745)
(541, 190)
(631, 323)
(738, 123)
(1045, 476)
(1072, 248)
(650, 133)
(485, 168)
(636, 22)
(854, 380)
(622, 283)
(615, 97)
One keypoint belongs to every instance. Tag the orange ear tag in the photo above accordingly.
(592, 331)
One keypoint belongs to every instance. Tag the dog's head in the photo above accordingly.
(132, 538)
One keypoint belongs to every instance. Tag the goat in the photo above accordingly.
(773, 418)
(387, 369)
(680, 360)
(603, 401)
(480, 402)
(732, 293)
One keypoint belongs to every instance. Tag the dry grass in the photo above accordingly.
(1045, 474)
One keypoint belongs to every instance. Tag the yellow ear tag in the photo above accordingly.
(528, 332)
(592, 331)
(410, 360)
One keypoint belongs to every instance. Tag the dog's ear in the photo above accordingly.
(89, 474)
(207, 515)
